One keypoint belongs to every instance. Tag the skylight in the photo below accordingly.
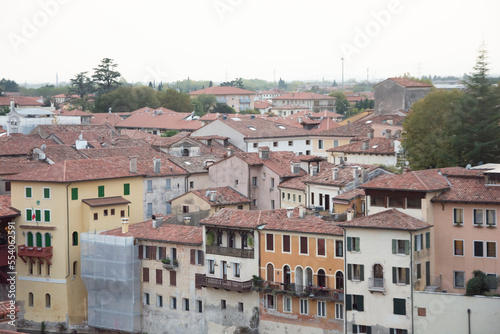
(281, 127)
(187, 162)
(252, 128)
(374, 146)
(367, 122)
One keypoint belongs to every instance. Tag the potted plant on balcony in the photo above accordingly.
(256, 282)
(210, 238)
(165, 260)
(250, 242)
(175, 263)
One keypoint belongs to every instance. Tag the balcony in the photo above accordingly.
(219, 283)
(30, 252)
(376, 285)
(228, 251)
(245, 101)
(311, 291)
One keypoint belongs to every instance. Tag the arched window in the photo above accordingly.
(47, 240)
(270, 273)
(29, 242)
(31, 299)
(287, 277)
(75, 267)
(378, 275)
(47, 300)
(299, 279)
(39, 239)
(321, 278)
(309, 276)
(339, 280)
(75, 238)
(185, 152)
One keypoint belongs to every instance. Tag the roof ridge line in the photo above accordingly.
(426, 187)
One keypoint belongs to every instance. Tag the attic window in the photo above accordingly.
(374, 146)
(252, 128)
(187, 162)
(281, 127)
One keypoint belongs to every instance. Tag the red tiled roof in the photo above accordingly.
(278, 161)
(392, 219)
(244, 218)
(264, 128)
(262, 104)
(304, 96)
(171, 233)
(15, 165)
(345, 174)
(24, 101)
(5, 209)
(469, 190)
(291, 107)
(422, 180)
(223, 196)
(310, 224)
(410, 83)
(74, 112)
(103, 118)
(295, 183)
(105, 201)
(384, 146)
(167, 120)
(223, 90)
(22, 145)
(79, 170)
(326, 124)
(350, 195)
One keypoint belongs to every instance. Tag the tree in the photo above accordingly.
(197, 107)
(334, 84)
(7, 85)
(106, 77)
(210, 84)
(238, 83)
(81, 85)
(207, 101)
(250, 111)
(169, 133)
(282, 84)
(341, 103)
(223, 108)
(174, 100)
(126, 99)
(428, 135)
(480, 284)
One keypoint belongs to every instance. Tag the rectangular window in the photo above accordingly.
(400, 275)
(74, 194)
(288, 196)
(320, 144)
(491, 249)
(378, 201)
(491, 217)
(272, 183)
(339, 311)
(159, 301)
(96, 216)
(254, 181)
(478, 249)
(321, 309)
(335, 143)
(100, 191)
(199, 306)
(222, 304)
(398, 331)
(304, 249)
(282, 195)
(270, 302)
(159, 276)
(396, 202)
(29, 215)
(126, 189)
(356, 272)
(191, 184)
(185, 304)
(211, 266)
(419, 271)
(413, 203)
(38, 215)
(270, 242)
(146, 298)
(353, 244)
(354, 302)
(168, 186)
(254, 145)
(287, 304)
(312, 198)
(169, 208)
(300, 198)
(401, 247)
(150, 186)
(236, 269)
(459, 279)
(46, 193)
(478, 217)
(173, 278)
(122, 213)
(275, 144)
(399, 306)
(28, 192)
(290, 143)
(304, 306)
(173, 303)
(458, 216)
(145, 274)
(308, 142)
(286, 244)
(149, 212)
(240, 307)
(321, 247)
(294, 197)
(7, 186)
(458, 247)
(339, 248)
(418, 242)
(46, 216)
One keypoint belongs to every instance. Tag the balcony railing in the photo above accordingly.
(376, 284)
(228, 251)
(219, 283)
(293, 289)
(35, 252)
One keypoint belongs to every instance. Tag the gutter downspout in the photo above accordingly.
(67, 227)
(250, 188)
(345, 279)
(411, 282)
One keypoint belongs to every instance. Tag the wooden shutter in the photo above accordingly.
(286, 243)
(415, 242)
(355, 329)
(349, 271)
(141, 251)
(407, 275)
(349, 243)
(357, 245)
(152, 252)
(173, 278)
(159, 276)
(360, 302)
(368, 329)
(348, 302)
(303, 245)
(394, 246)
(321, 247)
(427, 239)
(193, 256)
(407, 247)
(201, 257)
(394, 275)
(269, 241)
(361, 272)
(162, 252)
(145, 274)
(74, 193)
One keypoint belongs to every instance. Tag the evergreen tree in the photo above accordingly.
(210, 84)
(81, 85)
(105, 76)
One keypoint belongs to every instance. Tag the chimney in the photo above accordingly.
(350, 214)
(364, 175)
(12, 105)
(302, 212)
(314, 170)
(252, 116)
(124, 225)
(355, 175)
(300, 119)
(370, 133)
(157, 165)
(364, 144)
(224, 117)
(133, 165)
(229, 152)
(187, 220)
(388, 133)
(157, 220)
(213, 195)
(335, 173)
(289, 212)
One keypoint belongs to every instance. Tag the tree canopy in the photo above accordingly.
(223, 108)
(7, 85)
(238, 83)
(207, 102)
(81, 85)
(105, 76)
(174, 100)
(126, 99)
(342, 105)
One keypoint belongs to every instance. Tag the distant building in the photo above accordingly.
(312, 101)
(394, 94)
(237, 98)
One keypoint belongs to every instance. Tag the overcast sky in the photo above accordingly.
(216, 40)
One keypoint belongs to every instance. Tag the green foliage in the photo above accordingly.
(4, 110)
(81, 85)
(477, 285)
(174, 100)
(126, 99)
(341, 103)
(282, 84)
(42, 328)
(169, 133)
(250, 111)
(188, 85)
(238, 83)
(257, 84)
(423, 79)
(197, 107)
(223, 108)
(210, 238)
(364, 104)
(207, 102)
(46, 91)
(7, 85)
(105, 76)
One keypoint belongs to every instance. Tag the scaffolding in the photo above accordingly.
(111, 273)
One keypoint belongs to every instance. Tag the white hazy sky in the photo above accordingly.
(168, 40)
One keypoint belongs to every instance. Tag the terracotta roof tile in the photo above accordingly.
(392, 219)
(15, 165)
(223, 90)
(105, 201)
(469, 190)
(5, 209)
(279, 162)
(103, 118)
(262, 104)
(423, 180)
(171, 233)
(249, 219)
(259, 128)
(326, 124)
(23, 101)
(195, 164)
(223, 196)
(384, 146)
(350, 195)
(304, 96)
(410, 83)
(166, 120)
(345, 174)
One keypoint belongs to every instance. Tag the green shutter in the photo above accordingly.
(361, 306)
(29, 215)
(394, 246)
(361, 272)
(46, 192)
(28, 192)
(38, 215)
(126, 189)
(415, 242)
(74, 193)
(30, 239)
(394, 275)
(39, 239)
(407, 276)
(100, 191)
(399, 306)
(47, 240)
(357, 245)
(368, 329)
(407, 247)
(391, 331)
(348, 303)
(46, 216)
(349, 243)
(427, 239)
(355, 329)
(349, 271)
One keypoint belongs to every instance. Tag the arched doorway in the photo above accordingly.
(270, 273)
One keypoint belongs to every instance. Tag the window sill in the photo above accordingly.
(458, 224)
(477, 225)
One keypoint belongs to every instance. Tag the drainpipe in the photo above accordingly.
(468, 319)
(67, 228)
(345, 279)
(411, 282)
(250, 193)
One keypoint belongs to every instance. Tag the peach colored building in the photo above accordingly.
(237, 98)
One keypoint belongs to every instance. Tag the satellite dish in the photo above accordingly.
(43, 147)
(469, 166)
